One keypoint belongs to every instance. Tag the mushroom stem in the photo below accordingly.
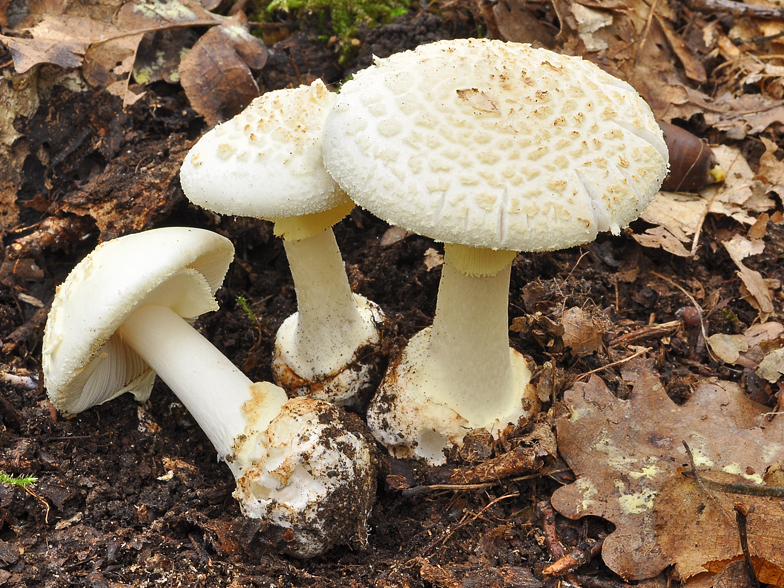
(468, 359)
(328, 326)
(215, 397)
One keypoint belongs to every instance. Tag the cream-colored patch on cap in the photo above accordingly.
(496, 145)
(266, 161)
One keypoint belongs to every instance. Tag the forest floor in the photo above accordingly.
(132, 495)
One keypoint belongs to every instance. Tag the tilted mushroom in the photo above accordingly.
(492, 148)
(266, 163)
(122, 316)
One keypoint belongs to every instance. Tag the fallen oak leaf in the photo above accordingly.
(771, 368)
(582, 332)
(757, 293)
(624, 451)
(59, 40)
(216, 72)
(695, 524)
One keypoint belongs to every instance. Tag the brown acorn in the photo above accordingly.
(692, 163)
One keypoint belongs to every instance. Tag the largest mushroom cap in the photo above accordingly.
(84, 361)
(495, 145)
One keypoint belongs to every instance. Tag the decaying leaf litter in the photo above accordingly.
(670, 333)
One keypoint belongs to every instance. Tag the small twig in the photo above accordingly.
(644, 38)
(697, 306)
(574, 267)
(415, 490)
(287, 51)
(192, 23)
(555, 547)
(736, 9)
(739, 487)
(701, 482)
(577, 557)
(39, 499)
(645, 332)
(466, 520)
(741, 514)
(698, 231)
(694, 469)
(609, 365)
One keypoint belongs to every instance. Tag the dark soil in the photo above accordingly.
(106, 512)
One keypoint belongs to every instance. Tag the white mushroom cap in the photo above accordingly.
(495, 145)
(84, 362)
(266, 161)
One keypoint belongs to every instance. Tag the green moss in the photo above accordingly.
(243, 303)
(342, 16)
(17, 480)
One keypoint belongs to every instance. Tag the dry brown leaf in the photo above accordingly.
(758, 337)
(696, 527)
(678, 216)
(393, 235)
(662, 237)
(679, 213)
(433, 259)
(771, 368)
(106, 51)
(216, 74)
(733, 575)
(60, 40)
(756, 289)
(515, 23)
(749, 113)
(728, 347)
(771, 170)
(624, 451)
(581, 334)
(691, 63)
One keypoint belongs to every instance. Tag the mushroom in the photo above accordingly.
(266, 163)
(491, 148)
(123, 315)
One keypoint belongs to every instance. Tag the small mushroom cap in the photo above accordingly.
(495, 145)
(266, 161)
(84, 362)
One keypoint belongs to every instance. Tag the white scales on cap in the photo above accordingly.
(495, 145)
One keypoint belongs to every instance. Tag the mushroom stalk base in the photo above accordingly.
(322, 337)
(467, 363)
(458, 375)
(212, 388)
(411, 424)
(349, 387)
(302, 465)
